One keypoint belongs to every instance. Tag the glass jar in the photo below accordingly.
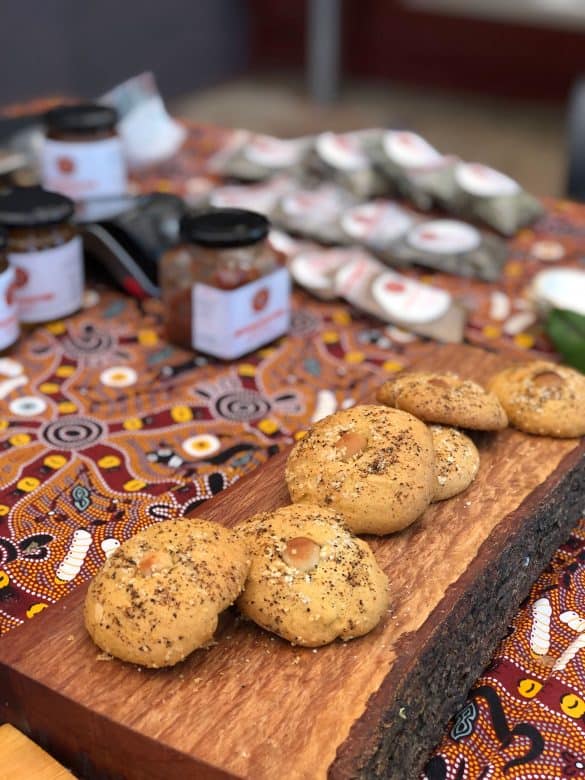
(223, 290)
(44, 248)
(82, 156)
(9, 326)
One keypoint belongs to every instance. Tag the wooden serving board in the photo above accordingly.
(253, 706)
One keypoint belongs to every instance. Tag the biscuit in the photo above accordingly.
(456, 459)
(444, 398)
(542, 398)
(158, 597)
(373, 464)
(310, 580)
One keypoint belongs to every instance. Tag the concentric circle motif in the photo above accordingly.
(303, 322)
(201, 446)
(242, 406)
(119, 376)
(28, 406)
(90, 341)
(72, 433)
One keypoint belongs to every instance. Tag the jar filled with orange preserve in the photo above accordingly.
(9, 325)
(223, 290)
(45, 251)
(82, 155)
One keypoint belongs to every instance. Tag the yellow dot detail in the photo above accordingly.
(355, 357)
(181, 414)
(55, 461)
(573, 705)
(19, 439)
(3, 425)
(247, 369)
(56, 328)
(529, 688)
(392, 366)
(49, 388)
(133, 424)
(300, 435)
(268, 426)
(35, 609)
(148, 338)
(27, 484)
(513, 269)
(109, 462)
(67, 407)
(133, 485)
(4, 510)
(341, 317)
(524, 340)
(65, 371)
(330, 337)
(264, 353)
(4, 579)
(491, 331)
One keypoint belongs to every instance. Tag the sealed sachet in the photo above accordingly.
(377, 225)
(341, 158)
(314, 213)
(492, 197)
(255, 157)
(315, 268)
(414, 168)
(262, 197)
(453, 247)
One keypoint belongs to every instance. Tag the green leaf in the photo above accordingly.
(566, 330)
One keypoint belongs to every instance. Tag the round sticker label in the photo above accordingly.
(314, 269)
(377, 224)
(272, 152)
(444, 236)
(410, 150)
(478, 179)
(408, 300)
(341, 151)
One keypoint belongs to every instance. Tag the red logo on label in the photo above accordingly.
(65, 165)
(260, 300)
(394, 287)
(20, 279)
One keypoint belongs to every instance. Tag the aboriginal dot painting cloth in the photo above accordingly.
(105, 428)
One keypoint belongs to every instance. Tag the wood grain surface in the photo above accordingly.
(23, 760)
(252, 705)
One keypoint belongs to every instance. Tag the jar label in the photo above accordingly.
(408, 300)
(409, 150)
(84, 169)
(378, 223)
(478, 179)
(341, 151)
(9, 329)
(231, 323)
(52, 281)
(444, 236)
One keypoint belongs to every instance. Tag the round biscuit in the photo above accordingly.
(311, 581)
(456, 461)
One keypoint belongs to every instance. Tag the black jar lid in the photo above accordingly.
(224, 228)
(81, 118)
(33, 207)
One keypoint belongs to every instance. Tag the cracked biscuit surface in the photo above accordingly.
(310, 579)
(542, 398)
(372, 464)
(158, 597)
(444, 398)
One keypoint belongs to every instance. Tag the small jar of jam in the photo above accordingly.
(82, 156)
(9, 326)
(46, 252)
(223, 290)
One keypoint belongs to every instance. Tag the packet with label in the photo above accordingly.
(377, 225)
(262, 197)
(494, 198)
(400, 300)
(258, 157)
(453, 247)
(342, 159)
(314, 213)
(315, 269)
(416, 170)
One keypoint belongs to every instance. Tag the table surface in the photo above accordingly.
(105, 428)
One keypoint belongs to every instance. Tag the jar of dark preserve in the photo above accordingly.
(82, 155)
(46, 252)
(223, 290)
(9, 326)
